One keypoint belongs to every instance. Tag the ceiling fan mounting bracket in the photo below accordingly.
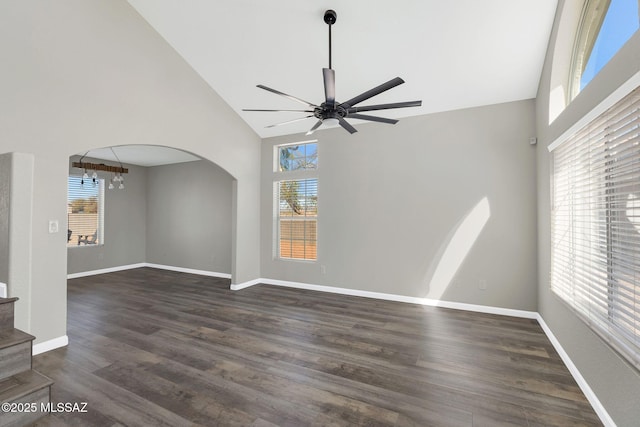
(330, 17)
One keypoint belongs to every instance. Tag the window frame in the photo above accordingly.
(585, 266)
(592, 17)
(100, 183)
(281, 175)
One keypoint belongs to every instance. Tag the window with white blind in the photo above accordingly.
(596, 224)
(296, 201)
(85, 211)
(298, 218)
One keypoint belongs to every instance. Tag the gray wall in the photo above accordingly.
(428, 207)
(124, 228)
(188, 216)
(79, 75)
(616, 384)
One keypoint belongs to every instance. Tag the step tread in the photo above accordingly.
(12, 337)
(22, 384)
(8, 300)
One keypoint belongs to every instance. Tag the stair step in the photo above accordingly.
(6, 313)
(28, 387)
(14, 336)
(15, 352)
(22, 384)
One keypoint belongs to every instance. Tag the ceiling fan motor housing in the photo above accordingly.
(330, 112)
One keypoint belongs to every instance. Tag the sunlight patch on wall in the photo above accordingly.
(455, 250)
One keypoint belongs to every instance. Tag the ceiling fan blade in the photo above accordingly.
(316, 126)
(329, 77)
(289, 121)
(277, 92)
(279, 111)
(346, 125)
(384, 106)
(373, 92)
(373, 118)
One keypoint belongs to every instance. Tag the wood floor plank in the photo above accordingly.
(153, 347)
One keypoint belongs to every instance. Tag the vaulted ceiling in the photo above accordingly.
(452, 55)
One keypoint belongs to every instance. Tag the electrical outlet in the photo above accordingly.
(323, 269)
(53, 226)
(482, 285)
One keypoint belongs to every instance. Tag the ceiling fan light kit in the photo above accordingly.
(330, 111)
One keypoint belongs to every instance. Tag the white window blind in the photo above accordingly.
(596, 225)
(85, 211)
(298, 218)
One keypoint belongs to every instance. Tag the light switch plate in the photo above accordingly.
(53, 226)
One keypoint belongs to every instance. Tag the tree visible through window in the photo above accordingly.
(298, 218)
(297, 201)
(298, 157)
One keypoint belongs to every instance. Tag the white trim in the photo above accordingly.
(189, 270)
(3, 290)
(603, 106)
(391, 297)
(582, 383)
(243, 285)
(150, 265)
(45, 346)
(105, 270)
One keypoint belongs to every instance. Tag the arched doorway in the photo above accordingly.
(171, 209)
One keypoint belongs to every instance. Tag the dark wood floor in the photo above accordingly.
(156, 348)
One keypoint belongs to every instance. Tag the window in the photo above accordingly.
(85, 211)
(296, 201)
(604, 28)
(596, 224)
(298, 157)
(298, 218)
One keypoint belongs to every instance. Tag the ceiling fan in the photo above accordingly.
(331, 111)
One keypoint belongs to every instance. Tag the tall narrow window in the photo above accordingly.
(85, 211)
(604, 28)
(298, 218)
(296, 200)
(596, 225)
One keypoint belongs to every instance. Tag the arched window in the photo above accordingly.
(605, 26)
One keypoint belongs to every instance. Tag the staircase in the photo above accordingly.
(19, 384)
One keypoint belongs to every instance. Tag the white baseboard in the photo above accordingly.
(189, 270)
(105, 270)
(150, 265)
(239, 286)
(49, 345)
(582, 383)
(390, 297)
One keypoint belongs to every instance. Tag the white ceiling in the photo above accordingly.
(452, 54)
(141, 155)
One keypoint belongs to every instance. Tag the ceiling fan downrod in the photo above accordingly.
(330, 17)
